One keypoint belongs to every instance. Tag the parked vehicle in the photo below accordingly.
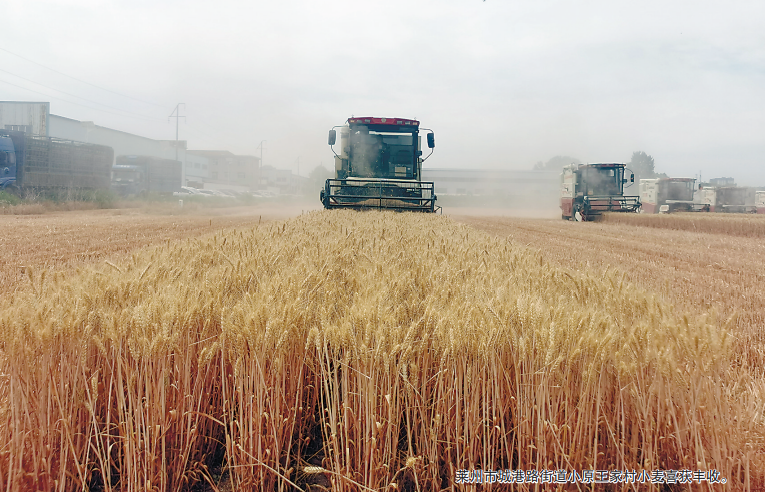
(141, 174)
(186, 191)
(35, 161)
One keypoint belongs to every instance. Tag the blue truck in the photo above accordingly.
(141, 174)
(39, 162)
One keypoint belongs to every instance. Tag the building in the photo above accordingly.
(197, 170)
(282, 181)
(225, 169)
(205, 168)
(123, 143)
(25, 116)
(34, 117)
(722, 182)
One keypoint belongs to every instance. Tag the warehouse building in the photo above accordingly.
(283, 182)
(225, 169)
(202, 168)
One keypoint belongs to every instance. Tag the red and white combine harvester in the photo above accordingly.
(588, 190)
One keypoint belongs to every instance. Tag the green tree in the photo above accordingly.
(643, 166)
(556, 163)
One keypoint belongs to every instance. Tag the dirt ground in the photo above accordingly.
(66, 240)
(694, 271)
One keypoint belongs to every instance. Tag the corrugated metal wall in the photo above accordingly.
(27, 116)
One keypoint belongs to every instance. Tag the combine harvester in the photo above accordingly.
(667, 195)
(379, 166)
(588, 190)
(730, 199)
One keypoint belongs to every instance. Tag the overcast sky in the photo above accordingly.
(503, 84)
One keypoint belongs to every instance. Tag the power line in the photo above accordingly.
(80, 97)
(82, 81)
(72, 102)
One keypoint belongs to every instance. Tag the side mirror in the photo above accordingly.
(332, 137)
(632, 178)
(431, 141)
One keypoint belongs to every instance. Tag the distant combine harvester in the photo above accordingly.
(668, 195)
(588, 190)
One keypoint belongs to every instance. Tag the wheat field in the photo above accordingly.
(71, 240)
(360, 351)
(744, 225)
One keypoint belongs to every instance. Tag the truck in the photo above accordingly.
(759, 201)
(141, 174)
(588, 190)
(379, 166)
(667, 195)
(40, 162)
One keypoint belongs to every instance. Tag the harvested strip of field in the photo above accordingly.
(744, 225)
(74, 239)
(369, 348)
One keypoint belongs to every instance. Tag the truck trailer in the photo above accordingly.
(39, 162)
(141, 174)
(588, 190)
(379, 166)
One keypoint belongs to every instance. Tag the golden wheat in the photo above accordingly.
(370, 349)
(745, 225)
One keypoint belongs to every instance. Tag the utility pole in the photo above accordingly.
(260, 167)
(177, 115)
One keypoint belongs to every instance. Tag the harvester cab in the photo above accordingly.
(588, 190)
(379, 166)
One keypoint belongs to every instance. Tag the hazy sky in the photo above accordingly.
(503, 84)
